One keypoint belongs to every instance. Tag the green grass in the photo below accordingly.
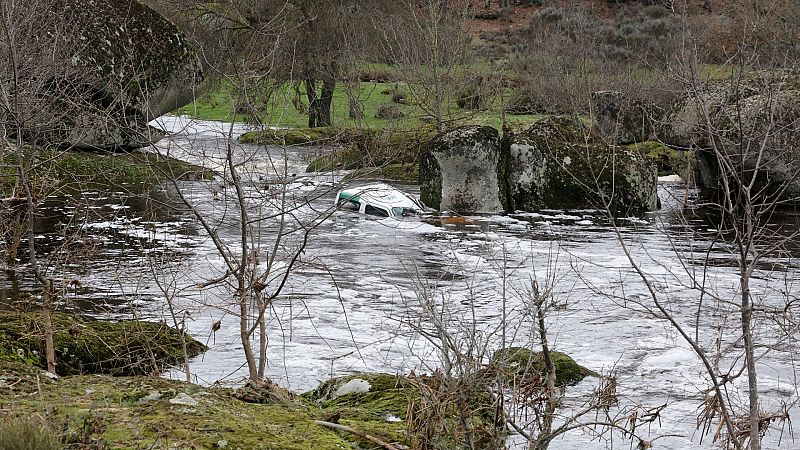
(218, 104)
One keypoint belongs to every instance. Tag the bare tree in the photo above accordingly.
(429, 43)
(28, 100)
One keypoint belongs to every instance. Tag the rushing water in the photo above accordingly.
(353, 301)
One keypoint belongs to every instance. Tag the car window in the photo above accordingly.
(399, 211)
(345, 203)
(375, 211)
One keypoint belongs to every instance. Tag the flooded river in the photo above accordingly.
(353, 302)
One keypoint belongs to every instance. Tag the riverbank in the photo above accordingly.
(83, 170)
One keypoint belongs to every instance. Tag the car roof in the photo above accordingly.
(380, 194)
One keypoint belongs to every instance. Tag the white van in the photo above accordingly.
(378, 199)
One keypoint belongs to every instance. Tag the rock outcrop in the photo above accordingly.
(552, 166)
(754, 125)
(111, 66)
(462, 171)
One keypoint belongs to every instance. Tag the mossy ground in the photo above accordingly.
(100, 411)
(91, 346)
(381, 412)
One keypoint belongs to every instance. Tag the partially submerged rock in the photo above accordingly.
(551, 166)
(752, 122)
(86, 346)
(526, 364)
(463, 170)
(371, 154)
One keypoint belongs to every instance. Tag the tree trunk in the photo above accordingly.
(750, 361)
(47, 305)
(319, 107)
(311, 93)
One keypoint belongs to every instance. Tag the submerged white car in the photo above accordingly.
(378, 199)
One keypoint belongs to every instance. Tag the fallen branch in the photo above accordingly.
(347, 429)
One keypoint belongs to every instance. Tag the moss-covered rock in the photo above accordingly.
(463, 169)
(667, 159)
(296, 136)
(347, 158)
(86, 346)
(551, 166)
(145, 412)
(526, 364)
(387, 151)
(111, 66)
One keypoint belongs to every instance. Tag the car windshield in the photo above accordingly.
(399, 211)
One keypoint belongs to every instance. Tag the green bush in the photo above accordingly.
(388, 111)
(25, 434)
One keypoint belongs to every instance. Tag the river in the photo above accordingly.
(353, 301)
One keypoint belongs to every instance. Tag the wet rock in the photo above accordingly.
(463, 170)
(116, 64)
(151, 397)
(618, 119)
(551, 166)
(264, 392)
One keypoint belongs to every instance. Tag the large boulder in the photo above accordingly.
(462, 170)
(755, 127)
(98, 70)
(619, 119)
(551, 166)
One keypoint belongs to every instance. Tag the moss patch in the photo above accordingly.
(82, 170)
(528, 364)
(667, 159)
(136, 412)
(92, 346)
(381, 411)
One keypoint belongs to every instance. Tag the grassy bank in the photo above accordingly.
(281, 110)
(82, 170)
